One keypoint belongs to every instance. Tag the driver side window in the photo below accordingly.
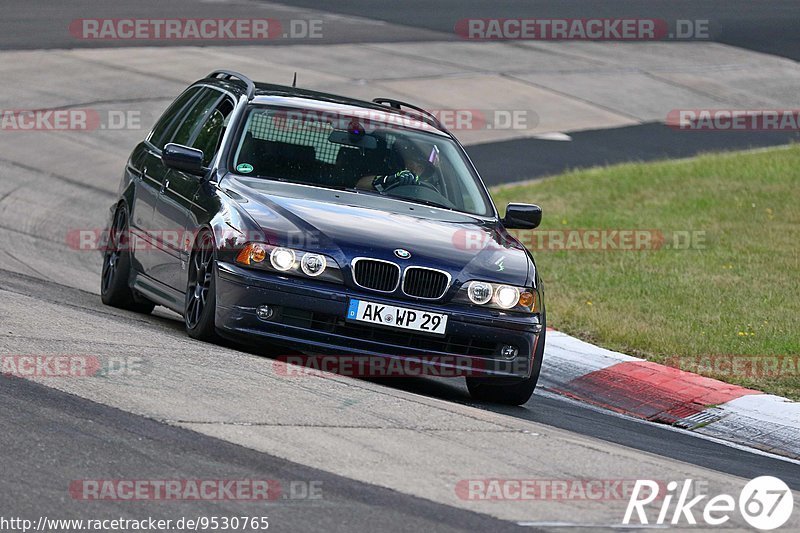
(201, 108)
(165, 127)
(209, 136)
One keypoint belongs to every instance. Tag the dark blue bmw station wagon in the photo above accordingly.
(328, 225)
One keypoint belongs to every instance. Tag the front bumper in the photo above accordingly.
(309, 316)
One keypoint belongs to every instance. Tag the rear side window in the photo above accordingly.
(164, 128)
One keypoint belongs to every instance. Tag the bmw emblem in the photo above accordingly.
(402, 254)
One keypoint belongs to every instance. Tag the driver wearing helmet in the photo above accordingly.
(416, 167)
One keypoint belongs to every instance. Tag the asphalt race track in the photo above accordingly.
(77, 438)
(768, 27)
(133, 446)
(765, 26)
(646, 142)
(386, 455)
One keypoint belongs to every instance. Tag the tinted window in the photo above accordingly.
(210, 134)
(200, 108)
(163, 129)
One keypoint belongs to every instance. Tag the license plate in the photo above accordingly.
(397, 317)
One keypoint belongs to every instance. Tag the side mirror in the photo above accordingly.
(183, 158)
(522, 216)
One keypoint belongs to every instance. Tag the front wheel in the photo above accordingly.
(115, 287)
(201, 291)
(509, 393)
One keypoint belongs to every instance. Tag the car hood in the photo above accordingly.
(346, 225)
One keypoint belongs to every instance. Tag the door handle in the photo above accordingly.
(165, 185)
(145, 176)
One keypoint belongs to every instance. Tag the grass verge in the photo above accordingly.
(719, 295)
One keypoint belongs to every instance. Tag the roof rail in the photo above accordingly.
(229, 74)
(398, 104)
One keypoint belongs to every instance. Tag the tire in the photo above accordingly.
(201, 291)
(500, 390)
(115, 289)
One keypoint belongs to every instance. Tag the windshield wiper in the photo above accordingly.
(294, 182)
(403, 199)
(424, 202)
(363, 191)
(332, 187)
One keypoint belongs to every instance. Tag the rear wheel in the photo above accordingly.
(499, 390)
(201, 291)
(115, 289)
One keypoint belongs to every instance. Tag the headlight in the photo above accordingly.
(289, 261)
(479, 292)
(313, 264)
(498, 296)
(282, 259)
(506, 296)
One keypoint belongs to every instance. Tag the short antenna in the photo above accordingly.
(294, 80)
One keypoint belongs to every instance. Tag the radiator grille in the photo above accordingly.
(376, 275)
(425, 283)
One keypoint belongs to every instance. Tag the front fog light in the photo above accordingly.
(507, 297)
(282, 259)
(508, 351)
(264, 312)
(479, 292)
(313, 264)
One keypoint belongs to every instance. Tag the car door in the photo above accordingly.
(202, 128)
(150, 175)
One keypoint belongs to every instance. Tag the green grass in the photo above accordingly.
(737, 294)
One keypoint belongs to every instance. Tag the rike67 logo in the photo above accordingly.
(765, 503)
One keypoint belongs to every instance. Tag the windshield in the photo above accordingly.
(331, 150)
